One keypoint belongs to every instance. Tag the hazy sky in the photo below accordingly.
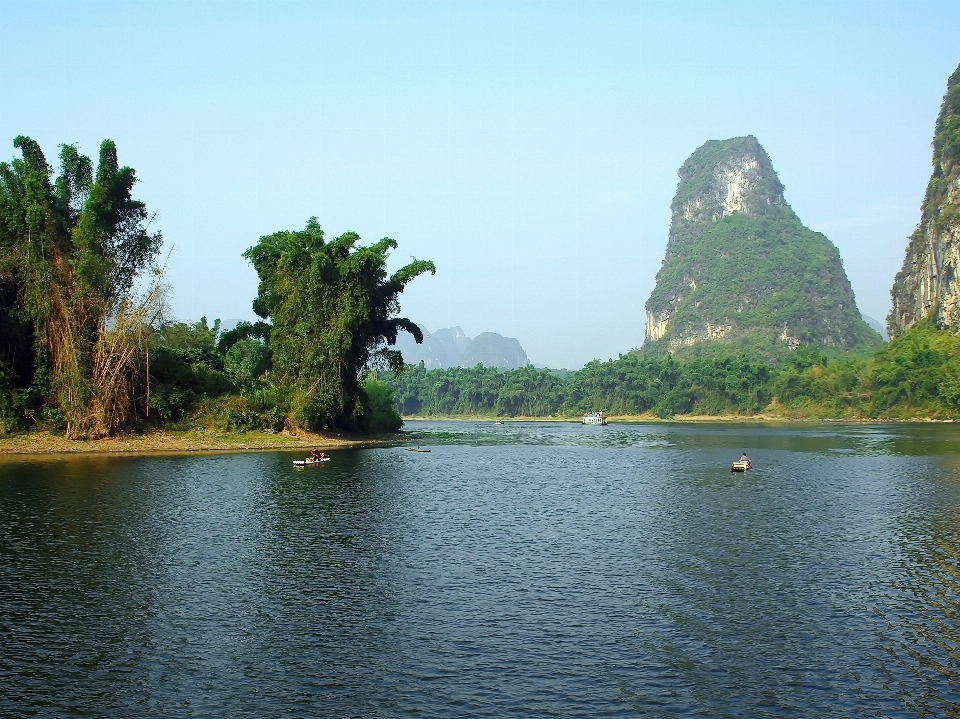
(529, 149)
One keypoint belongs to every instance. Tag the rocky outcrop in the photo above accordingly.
(739, 262)
(725, 177)
(928, 285)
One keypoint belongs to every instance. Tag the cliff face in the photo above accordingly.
(739, 262)
(928, 284)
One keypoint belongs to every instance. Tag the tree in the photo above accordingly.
(70, 253)
(333, 312)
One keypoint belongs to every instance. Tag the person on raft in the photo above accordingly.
(744, 457)
(314, 456)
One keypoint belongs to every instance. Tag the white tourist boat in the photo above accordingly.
(594, 418)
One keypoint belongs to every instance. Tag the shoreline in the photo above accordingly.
(680, 418)
(173, 442)
(160, 442)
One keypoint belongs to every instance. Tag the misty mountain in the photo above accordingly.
(450, 347)
(493, 350)
(878, 326)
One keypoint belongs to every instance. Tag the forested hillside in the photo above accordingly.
(741, 266)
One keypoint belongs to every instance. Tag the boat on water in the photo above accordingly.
(594, 418)
(740, 466)
(416, 449)
(309, 462)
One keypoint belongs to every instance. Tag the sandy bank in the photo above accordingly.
(162, 442)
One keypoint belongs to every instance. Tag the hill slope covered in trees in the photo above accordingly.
(741, 266)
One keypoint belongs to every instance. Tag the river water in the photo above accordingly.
(529, 569)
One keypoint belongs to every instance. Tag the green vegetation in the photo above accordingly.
(331, 307)
(697, 178)
(763, 273)
(70, 325)
(916, 375)
(82, 352)
(946, 148)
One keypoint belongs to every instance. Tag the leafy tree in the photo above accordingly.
(246, 361)
(196, 336)
(243, 330)
(70, 252)
(332, 308)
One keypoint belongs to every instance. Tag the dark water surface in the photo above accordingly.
(517, 570)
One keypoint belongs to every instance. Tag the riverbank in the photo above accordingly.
(164, 441)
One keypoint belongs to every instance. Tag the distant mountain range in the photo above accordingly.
(450, 347)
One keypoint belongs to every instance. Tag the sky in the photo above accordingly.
(530, 149)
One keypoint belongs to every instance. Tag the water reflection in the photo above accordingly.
(915, 439)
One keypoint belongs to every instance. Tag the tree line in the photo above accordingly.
(915, 375)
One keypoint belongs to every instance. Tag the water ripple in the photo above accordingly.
(516, 570)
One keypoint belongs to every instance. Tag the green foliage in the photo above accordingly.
(756, 273)
(181, 378)
(332, 308)
(637, 384)
(70, 252)
(632, 384)
(917, 375)
(183, 336)
(946, 137)
(243, 331)
(477, 391)
(186, 369)
(263, 409)
(246, 361)
(379, 414)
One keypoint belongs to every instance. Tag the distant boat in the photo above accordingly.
(416, 449)
(594, 418)
(740, 466)
(499, 421)
(309, 462)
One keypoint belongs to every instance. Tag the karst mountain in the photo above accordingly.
(740, 266)
(928, 286)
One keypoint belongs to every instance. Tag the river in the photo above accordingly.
(517, 570)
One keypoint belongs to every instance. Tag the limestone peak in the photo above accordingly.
(928, 285)
(723, 177)
(740, 266)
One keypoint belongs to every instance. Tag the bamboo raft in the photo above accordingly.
(739, 466)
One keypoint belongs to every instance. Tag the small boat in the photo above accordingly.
(594, 418)
(499, 421)
(739, 466)
(416, 449)
(309, 462)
